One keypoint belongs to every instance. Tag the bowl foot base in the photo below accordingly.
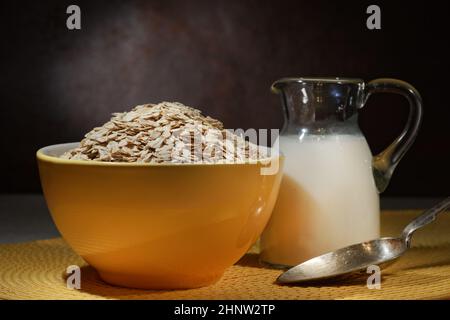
(158, 282)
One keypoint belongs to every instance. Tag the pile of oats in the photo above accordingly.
(167, 132)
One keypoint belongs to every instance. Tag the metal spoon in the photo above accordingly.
(360, 256)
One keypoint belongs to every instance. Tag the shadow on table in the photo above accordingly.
(93, 284)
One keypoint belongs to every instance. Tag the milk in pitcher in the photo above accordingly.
(327, 199)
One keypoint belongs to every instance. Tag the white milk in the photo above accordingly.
(327, 200)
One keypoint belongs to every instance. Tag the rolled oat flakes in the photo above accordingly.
(167, 132)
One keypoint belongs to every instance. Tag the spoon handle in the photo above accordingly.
(424, 219)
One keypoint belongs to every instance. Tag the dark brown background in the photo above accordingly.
(222, 57)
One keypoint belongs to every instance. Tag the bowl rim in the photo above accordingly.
(42, 155)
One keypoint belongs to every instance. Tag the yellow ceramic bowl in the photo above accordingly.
(157, 226)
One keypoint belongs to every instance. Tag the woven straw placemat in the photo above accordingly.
(35, 270)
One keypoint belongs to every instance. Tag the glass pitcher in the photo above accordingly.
(329, 193)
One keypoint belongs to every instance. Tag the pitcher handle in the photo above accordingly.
(385, 162)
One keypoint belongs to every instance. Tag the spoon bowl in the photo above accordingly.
(346, 260)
